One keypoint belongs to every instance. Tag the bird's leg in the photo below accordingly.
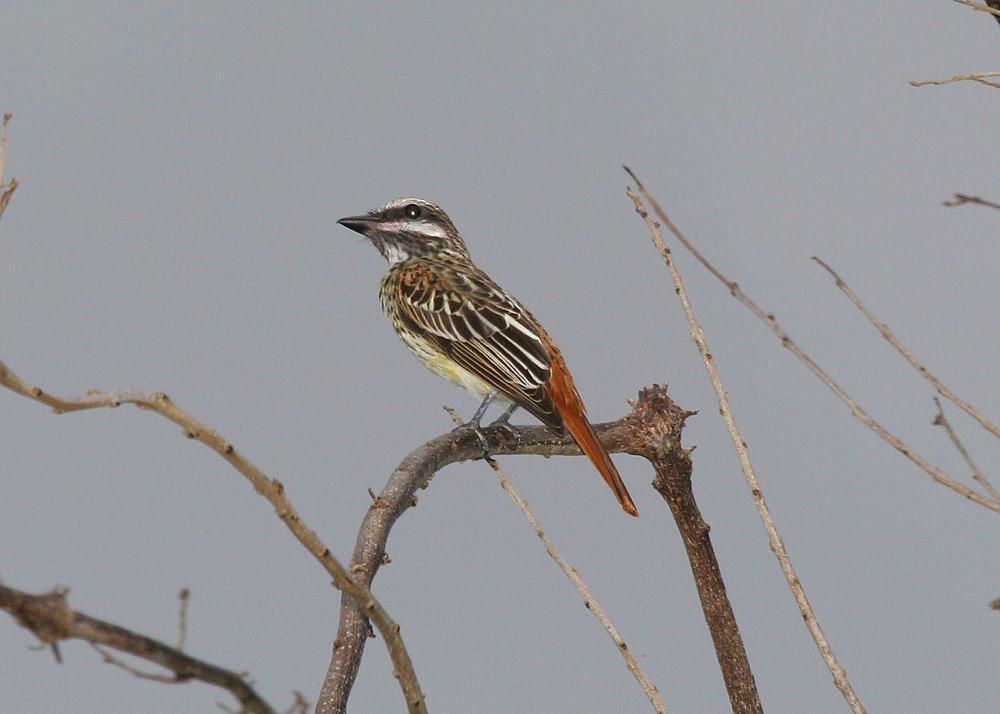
(511, 435)
(476, 419)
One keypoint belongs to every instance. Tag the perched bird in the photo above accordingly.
(466, 328)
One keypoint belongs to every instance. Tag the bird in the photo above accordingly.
(466, 328)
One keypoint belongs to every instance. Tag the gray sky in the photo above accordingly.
(182, 170)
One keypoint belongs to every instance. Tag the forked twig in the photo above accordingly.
(786, 341)
(777, 545)
(884, 330)
(942, 421)
(962, 198)
(271, 489)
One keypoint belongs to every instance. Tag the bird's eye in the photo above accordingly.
(412, 210)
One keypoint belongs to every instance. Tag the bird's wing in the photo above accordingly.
(483, 329)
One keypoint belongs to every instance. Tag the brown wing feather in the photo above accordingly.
(483, 329)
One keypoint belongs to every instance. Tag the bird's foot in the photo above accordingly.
(510, 435)
(484, 443)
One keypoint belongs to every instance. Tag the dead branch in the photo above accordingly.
(50, 618)
(993, 8)
(725, 409)
(652, 693)
(182, 617)
(884, 330)
(961, 199)
(786, 341)
(652, 430)
(977, 475)
(981, 77)
(6, 191)
(271, 489)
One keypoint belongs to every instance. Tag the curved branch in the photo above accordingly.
(652, 430)
(271, 489)
(51, 619)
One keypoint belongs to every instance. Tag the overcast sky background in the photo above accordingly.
(182, 170)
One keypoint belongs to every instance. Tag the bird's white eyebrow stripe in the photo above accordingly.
(431, 230)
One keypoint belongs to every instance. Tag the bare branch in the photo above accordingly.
(884, 330)
(786, 341)
(182, 618)
(299, 706)
(51, 619)
(271, 489)
(6, 191)
(995, 10)
(652, 693)
(3, 143)
(652, 430)
(981, 77)
(725, 409)
(942, 421)
(109, 658)
(961, 198)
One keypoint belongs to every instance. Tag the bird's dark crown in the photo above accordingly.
(409, 228)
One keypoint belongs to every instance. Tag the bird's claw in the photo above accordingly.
(510, 435)
(484, 443)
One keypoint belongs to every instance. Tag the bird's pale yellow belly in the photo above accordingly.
(443, 366)
(425, 351)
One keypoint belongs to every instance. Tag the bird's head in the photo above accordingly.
(409, 228)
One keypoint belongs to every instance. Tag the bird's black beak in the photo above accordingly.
(361, 224)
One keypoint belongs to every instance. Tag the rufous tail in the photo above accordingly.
(567, 400)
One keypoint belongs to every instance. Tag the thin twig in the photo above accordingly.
(182, 618)
(50, 618)
(588, 600)
(980, 77)
(300, 705)
(769, 320)
(271, 489)
(942, 421)
(884, 330)
(3, 143)
(962, 198)
(777, 545)
(109, 658)
(5, 191)
(652, 693)
(981, 8)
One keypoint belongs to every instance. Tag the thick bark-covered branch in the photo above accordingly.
(652, 430)
(51, 619)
